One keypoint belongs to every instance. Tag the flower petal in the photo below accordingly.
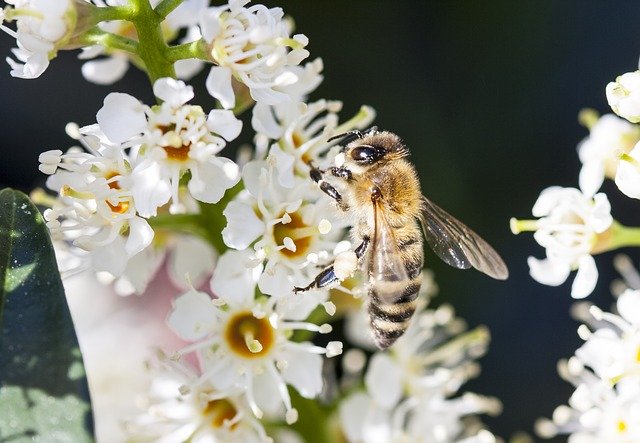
(105, 71)
(234, 278)
(224, 123)
(121, 117)
(210, 180)
(303, 371)
(219, 86)
(548, 272)
(193, 315)
(586, 278)
(190, 262)
(384, 380)
(243, 225)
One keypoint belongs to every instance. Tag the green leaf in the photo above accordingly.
(43, 389)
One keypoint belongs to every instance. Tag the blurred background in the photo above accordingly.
(485, 94)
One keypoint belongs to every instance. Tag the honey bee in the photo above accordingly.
(375, 185)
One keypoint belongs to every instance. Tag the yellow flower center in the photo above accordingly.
(248, 336)
(299, 232)
(220, 411)
(622, 426)
(122, 206)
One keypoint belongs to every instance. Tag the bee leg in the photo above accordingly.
(325, 278)
(341, 172)
(328, 276)
(316, 175)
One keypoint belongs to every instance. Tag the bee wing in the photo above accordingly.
(457, 245)
(386, 261)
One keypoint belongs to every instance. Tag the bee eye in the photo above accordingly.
(365, 154)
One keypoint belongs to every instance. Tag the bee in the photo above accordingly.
(375, 186)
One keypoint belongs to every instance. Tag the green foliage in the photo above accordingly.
(43, 389)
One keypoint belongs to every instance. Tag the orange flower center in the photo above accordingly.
(248, 336)
(296, 230)
(220, 411)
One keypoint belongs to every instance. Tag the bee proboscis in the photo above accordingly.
(378, 188)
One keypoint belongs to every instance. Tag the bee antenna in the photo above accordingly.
(349, 136)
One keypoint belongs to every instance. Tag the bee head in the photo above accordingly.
(375, 147)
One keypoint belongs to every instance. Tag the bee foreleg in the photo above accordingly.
(341, 172)
(325, 278)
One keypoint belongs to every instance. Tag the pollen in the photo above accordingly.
(219, 412)
(248, 336)
(296, 230)
(622, 426)
(180, 154)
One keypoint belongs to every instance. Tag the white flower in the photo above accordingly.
(623, 96)
(114, 63)
(300, 132)
(599, 152)
(612, 351)
(290, 228)
(96, 208)
(597, 412)
(628, 174)
(245, 343)
(253, 45)
(180, 408)
(409, 389)
(568, 229)
(168, 140)
(42, 28)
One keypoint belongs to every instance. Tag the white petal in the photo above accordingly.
(284, 165)
(149, 190)
(187, 69)
(140, 235)
(629, 306)
(384, 380)
(243, 225)
(263, 121)
(193, 315)
(303, 371)
(353, 412)
(175, 92)
(586, 278)
(265, 389)
(591, 177)
(275, 280)
(142, 267)
(105, 71)
(219, 86)
(121, 117)
(110, 258)
(268, 96)
(547, 200)
(224, 123)
(210, 24)
(210, 180)
(548, 272)
(600, 218)
(190, 262)
(251, 173)
(628, 179)
(233, 279)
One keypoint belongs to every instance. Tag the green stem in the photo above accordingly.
(111, 13)
(96, 36)
(196, 49)
(624, 236)
(152, 48)
(165, 7)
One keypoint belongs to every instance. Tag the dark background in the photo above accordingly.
(485, 94)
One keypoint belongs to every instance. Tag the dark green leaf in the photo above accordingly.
(43, 389)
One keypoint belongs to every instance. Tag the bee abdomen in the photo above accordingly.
(390, 320)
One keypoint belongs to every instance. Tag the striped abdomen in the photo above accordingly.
(393, 300)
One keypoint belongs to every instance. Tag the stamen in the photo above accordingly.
(253, 345)
(518, 226)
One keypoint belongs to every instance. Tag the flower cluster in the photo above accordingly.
(574, 225)
(409, 389)
(606, 373)
(151, 184)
